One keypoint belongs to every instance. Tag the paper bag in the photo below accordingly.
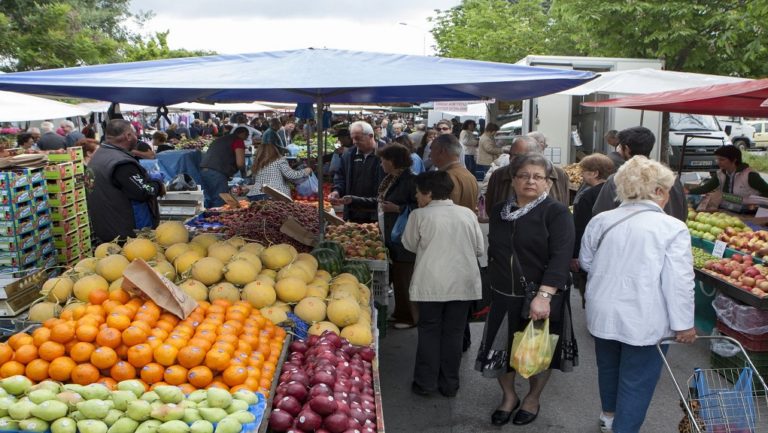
(140, 278)
(296, 231)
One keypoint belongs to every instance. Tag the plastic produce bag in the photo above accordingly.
(308, 187)
(739, 317)
(397, 230)
(182, 182)
(532, 349)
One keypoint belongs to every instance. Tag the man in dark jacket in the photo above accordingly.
(359, 176)
(122, 197)
(225, 157)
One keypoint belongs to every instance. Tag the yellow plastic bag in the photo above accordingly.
(532, 349)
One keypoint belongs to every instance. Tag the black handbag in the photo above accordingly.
(530, 289)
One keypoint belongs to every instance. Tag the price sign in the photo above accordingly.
(719, 249)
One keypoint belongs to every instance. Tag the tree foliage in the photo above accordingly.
(47, 34)
(727, 37)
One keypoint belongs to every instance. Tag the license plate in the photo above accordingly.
(701, 163)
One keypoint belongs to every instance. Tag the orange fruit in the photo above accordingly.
(98, 296)
(177, 341)
(6, 353)
(218, 384)
(139, 355)
(159, 333)
(118, 321)
(84, 374)
(37, 370)
(51, 350)
(165, 354)
(235, 375)
(109, 337)
(40, 336)
(122, 371)
(154, 342)
(25, 354)
(20, 339)
(120, 296)
(103, 358)
(11, 368)
(63, 332)
(81, 352)
(164, 325)
(200, 376)
(175, 375)
(217, 359)
(86, 332)
(187, 388)
(170, 318)
(134, 335)
(152, 372)
(144, 326)
(108, 382)
(200, 342)
(61, 368)
(191, 356)
(66, 315)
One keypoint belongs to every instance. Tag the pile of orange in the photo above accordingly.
(118, 337)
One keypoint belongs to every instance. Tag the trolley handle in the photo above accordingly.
(671, 340)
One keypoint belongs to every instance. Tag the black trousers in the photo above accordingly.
(400, 274)
(438, 353)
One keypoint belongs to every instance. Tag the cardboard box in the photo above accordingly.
(40, 204)
(50, 261)
(19, 258)
(64, 170)
(39, 190)
(17, 227)
(61, 185)
(85, 231)
(79, 168)
(15, 195)
(16, 211)
(69, 254)
(18, 243)
(81, 206)
(44, 233)
(43, 219)
(12, 180)
(82, 218)
(65, 226)
(46, 248)
(61, 199)
(71, 155)
(64, 212)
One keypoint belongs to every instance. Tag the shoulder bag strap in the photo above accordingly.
(600, 241)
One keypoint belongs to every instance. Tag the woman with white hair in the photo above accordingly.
(639, 290)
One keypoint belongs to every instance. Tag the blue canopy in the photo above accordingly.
(297, 76)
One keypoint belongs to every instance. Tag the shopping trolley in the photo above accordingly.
(723, 400)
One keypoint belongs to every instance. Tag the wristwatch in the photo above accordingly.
(545, 295)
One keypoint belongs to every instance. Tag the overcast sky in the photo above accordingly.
(247, 26)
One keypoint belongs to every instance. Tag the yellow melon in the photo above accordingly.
(345, 290)
(224, 291)
(165, 269)
(106, 249)
(271, 273)
(266, 279)
(205, 239)
(194, 289)
(323, 275)
(112, 267)
(117, 284)
(317, 291)
(208, 270)
(184, 262)
(201, 250)
(237, 242)
(43, 311)
(171, 232)
(358, 334)
(365, 294)
(57, 289)
(295, 271)
(87, 265)
(84, 286)
(291, 289)
(249, 256)
(259, 295)
(222, 250)
(252, 247)
(240, 272)
(320, 327)
(345, 277)
(277, 256)
(176, 250)
(275, 315)
(310, 309)
(281, 305)
(343, 312)
(140, 249)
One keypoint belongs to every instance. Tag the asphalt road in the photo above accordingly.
(570, 402)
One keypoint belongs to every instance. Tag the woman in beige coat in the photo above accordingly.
(487, 151)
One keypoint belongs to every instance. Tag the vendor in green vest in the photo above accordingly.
(733, 177)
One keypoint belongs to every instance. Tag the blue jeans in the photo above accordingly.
(480, 171)
(627, 376)
(469, 162)
(213, 183)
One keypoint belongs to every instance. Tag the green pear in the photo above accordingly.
(76, 415)
(228, 425)
(124, 425)
(175, 426)
(236, 406)
(243, 416)
(5, 403)
(50, 410)
(218, 397)
(212, 414)
(50, 385)
(197, 396)
(246, 396)
(20, 410)
(6, 423)
(95, 409)
(149, 426)
(16, 385)
(112, 416)
(95, 391)
(191, 415)
(122, 398)
(149, 396)
(168, 412)
(64, 425)
(91, 426)
(186, 404)
(33, 424)
(169, 394)
(71, 398)
(201, 426)
(139, 410)
(134, 386)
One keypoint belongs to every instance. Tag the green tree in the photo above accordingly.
(155, 47)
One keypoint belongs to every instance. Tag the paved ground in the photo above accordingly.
(570, 402)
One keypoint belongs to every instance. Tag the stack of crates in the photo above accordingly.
(25, 228)
(65, 178)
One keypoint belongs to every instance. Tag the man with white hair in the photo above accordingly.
(71, 134)
(35, 133)
(559, 191)
(358, 179)
(50, 140)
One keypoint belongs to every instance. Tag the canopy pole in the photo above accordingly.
(642, 114)
(320, 155)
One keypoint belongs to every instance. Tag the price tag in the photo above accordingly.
(719, 249)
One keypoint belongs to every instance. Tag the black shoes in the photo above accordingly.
(418, 390)
(523, 417)
(501, 417)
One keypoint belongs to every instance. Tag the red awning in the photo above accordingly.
(746, 98)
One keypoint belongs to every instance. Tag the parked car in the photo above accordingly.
(740, 132)
(704, 136)
(760, 136)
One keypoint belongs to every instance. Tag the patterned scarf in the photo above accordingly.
(386, 183)
(506, 213)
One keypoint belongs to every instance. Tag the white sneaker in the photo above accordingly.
(606, 423)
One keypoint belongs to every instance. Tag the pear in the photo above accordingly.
(191, 415)
(149, 426)
(20, 410)
(94, 409)
(186, 404)
(50, 410)
(212, 414)
(76, 416)
(112, 416)
(228, 425)
(123, 425)
(91, 426)
(40, 395)
(236, 406)
(169, 394)
(72, 387)
(149, 396)
(243, 416)
(218, 397)
(201, 426)
(33, 424)
(139, 410)
(64, 425)
(5, 403)
(197, 396)
(246, 396)
(175, 426)
(7, 423)
(134, 386)
(50, 385)
(71, 398)
(16, 385)
(168, 412)
(122, 398)
(95, 391)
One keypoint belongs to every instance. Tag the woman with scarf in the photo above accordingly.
(530, 237)
(397, 194)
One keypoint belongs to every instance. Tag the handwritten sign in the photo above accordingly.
(719, 249)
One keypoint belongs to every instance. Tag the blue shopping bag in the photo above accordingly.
(729, 408)
(397, 230)
(308, 187)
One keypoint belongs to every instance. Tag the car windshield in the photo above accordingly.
(689, 122)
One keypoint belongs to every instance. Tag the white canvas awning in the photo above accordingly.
(18, 107)
(646, 80)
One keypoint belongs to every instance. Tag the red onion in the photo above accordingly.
(289, 404)
(280, 420)
(320, 389)
(323, 404)
(296, 390)
(336, 422)
(308, 420)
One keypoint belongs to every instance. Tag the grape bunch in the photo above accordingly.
(701, 257)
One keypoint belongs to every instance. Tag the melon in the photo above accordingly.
(84, 286)
(271, 273)
(317, 291)
(281, 305)
(222, 250)
(358, 334)
(184, 262)
(323, 275)
(237, 242)
(343, 312)
(112, 267)
(205, 239)
(175, 250)
(195, 289)
(277, 256)
(201, 250)
(291, 289)
(364, 318)
(106, 249)
(57, 289)
(140, 249)
(250, 257)
(208, 270)
(309, 258)
(346, 277)
(266, 279)
(117, 284)
(345, 290)
(171, 232)
(72, 305)
(43, 311)
(310, 309)
(365, 294)
(275, 315)
(165, 269)
(295, 271)
(252, 247)
(320, 327)
(259, 295)
(240, 272)
(224, 291)
(87, 265)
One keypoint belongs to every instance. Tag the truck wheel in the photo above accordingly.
(742, 145)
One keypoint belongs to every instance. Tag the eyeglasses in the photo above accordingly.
(528, 176)
(444, 129)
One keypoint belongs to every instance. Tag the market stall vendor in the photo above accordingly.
(733, 177)
(225, 156)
